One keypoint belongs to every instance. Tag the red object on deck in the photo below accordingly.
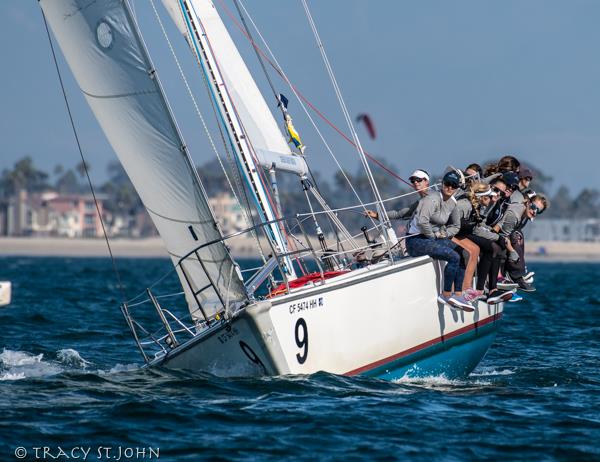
(303, 280)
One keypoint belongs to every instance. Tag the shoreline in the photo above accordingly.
(540, 251)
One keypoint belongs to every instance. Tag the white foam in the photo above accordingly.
(10, 358)
(70, 357)
(120, 368)
(491, 372)
(9, 376)
(428, 380)
(21, 364)
(440, 382)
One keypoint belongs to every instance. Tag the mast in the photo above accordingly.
(246, 156)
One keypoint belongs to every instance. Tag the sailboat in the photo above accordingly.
(363, 309)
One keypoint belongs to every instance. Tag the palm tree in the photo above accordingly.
(82, 167)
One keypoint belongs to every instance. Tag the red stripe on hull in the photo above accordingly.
(427, 344)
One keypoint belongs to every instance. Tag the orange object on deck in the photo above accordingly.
(303, 280)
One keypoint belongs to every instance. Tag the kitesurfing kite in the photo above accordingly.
(368, 123)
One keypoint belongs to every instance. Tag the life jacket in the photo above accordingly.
(496, 213)
(468, 223)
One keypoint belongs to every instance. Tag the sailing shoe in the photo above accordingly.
(443, 300)
(525, 286)
(529, 275)
(499, 295)
(515, 298)
(528, 280)
(460, 302)
(506, 284)
(472, 295)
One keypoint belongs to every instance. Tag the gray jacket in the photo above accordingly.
(461, 211)
(514, 219)
(431, 215)
(517, 197)
(404, 213)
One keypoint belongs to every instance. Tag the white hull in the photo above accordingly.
(5, 293)
(375, 321)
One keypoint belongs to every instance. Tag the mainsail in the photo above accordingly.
(259, 125)
(105, 52)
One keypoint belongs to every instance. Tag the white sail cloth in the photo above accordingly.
(256, 118)
(105, 52)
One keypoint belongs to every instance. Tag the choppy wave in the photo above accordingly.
(535, 396)
(11, 376)
(9, 358)
(18, 365)
(119, 368)
(441, 382)
(484, 372)
(72, 358)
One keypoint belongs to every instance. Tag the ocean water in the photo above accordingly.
(71, 382)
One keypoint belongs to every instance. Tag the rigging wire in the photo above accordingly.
(276, 97)
(301, 98)
(260, 60)
(87, 173)
(351, 207)
(382, 212)
(260, 175)
(279, 70)
(247, 215)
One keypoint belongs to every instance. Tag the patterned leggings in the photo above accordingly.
(440, 249)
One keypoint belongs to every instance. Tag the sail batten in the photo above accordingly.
(106, 54)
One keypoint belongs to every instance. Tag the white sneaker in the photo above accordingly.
(500, 295)
(443, 300)
(460, 302)
(473, 295)
(446, 301)
(529, 275)
(506, 284)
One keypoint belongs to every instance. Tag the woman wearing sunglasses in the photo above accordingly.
(515, 219)
(525, 178)
(500, 201)
(466, 225)
(428, 237)
(420, 181)
(463, 219)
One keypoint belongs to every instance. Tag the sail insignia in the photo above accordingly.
(104, 34)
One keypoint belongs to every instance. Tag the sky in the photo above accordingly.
(446, 83)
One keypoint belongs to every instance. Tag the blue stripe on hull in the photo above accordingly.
(453, 358)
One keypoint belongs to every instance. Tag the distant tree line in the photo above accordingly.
(121, 198)
(119, 194)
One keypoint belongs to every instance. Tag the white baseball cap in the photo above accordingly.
(419, 173)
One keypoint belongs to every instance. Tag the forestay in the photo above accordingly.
(257, 120)
(104, 49)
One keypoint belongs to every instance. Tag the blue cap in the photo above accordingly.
(452, 178)
(511, 179)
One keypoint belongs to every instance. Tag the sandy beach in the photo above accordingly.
(153, 248)
(65, 247)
